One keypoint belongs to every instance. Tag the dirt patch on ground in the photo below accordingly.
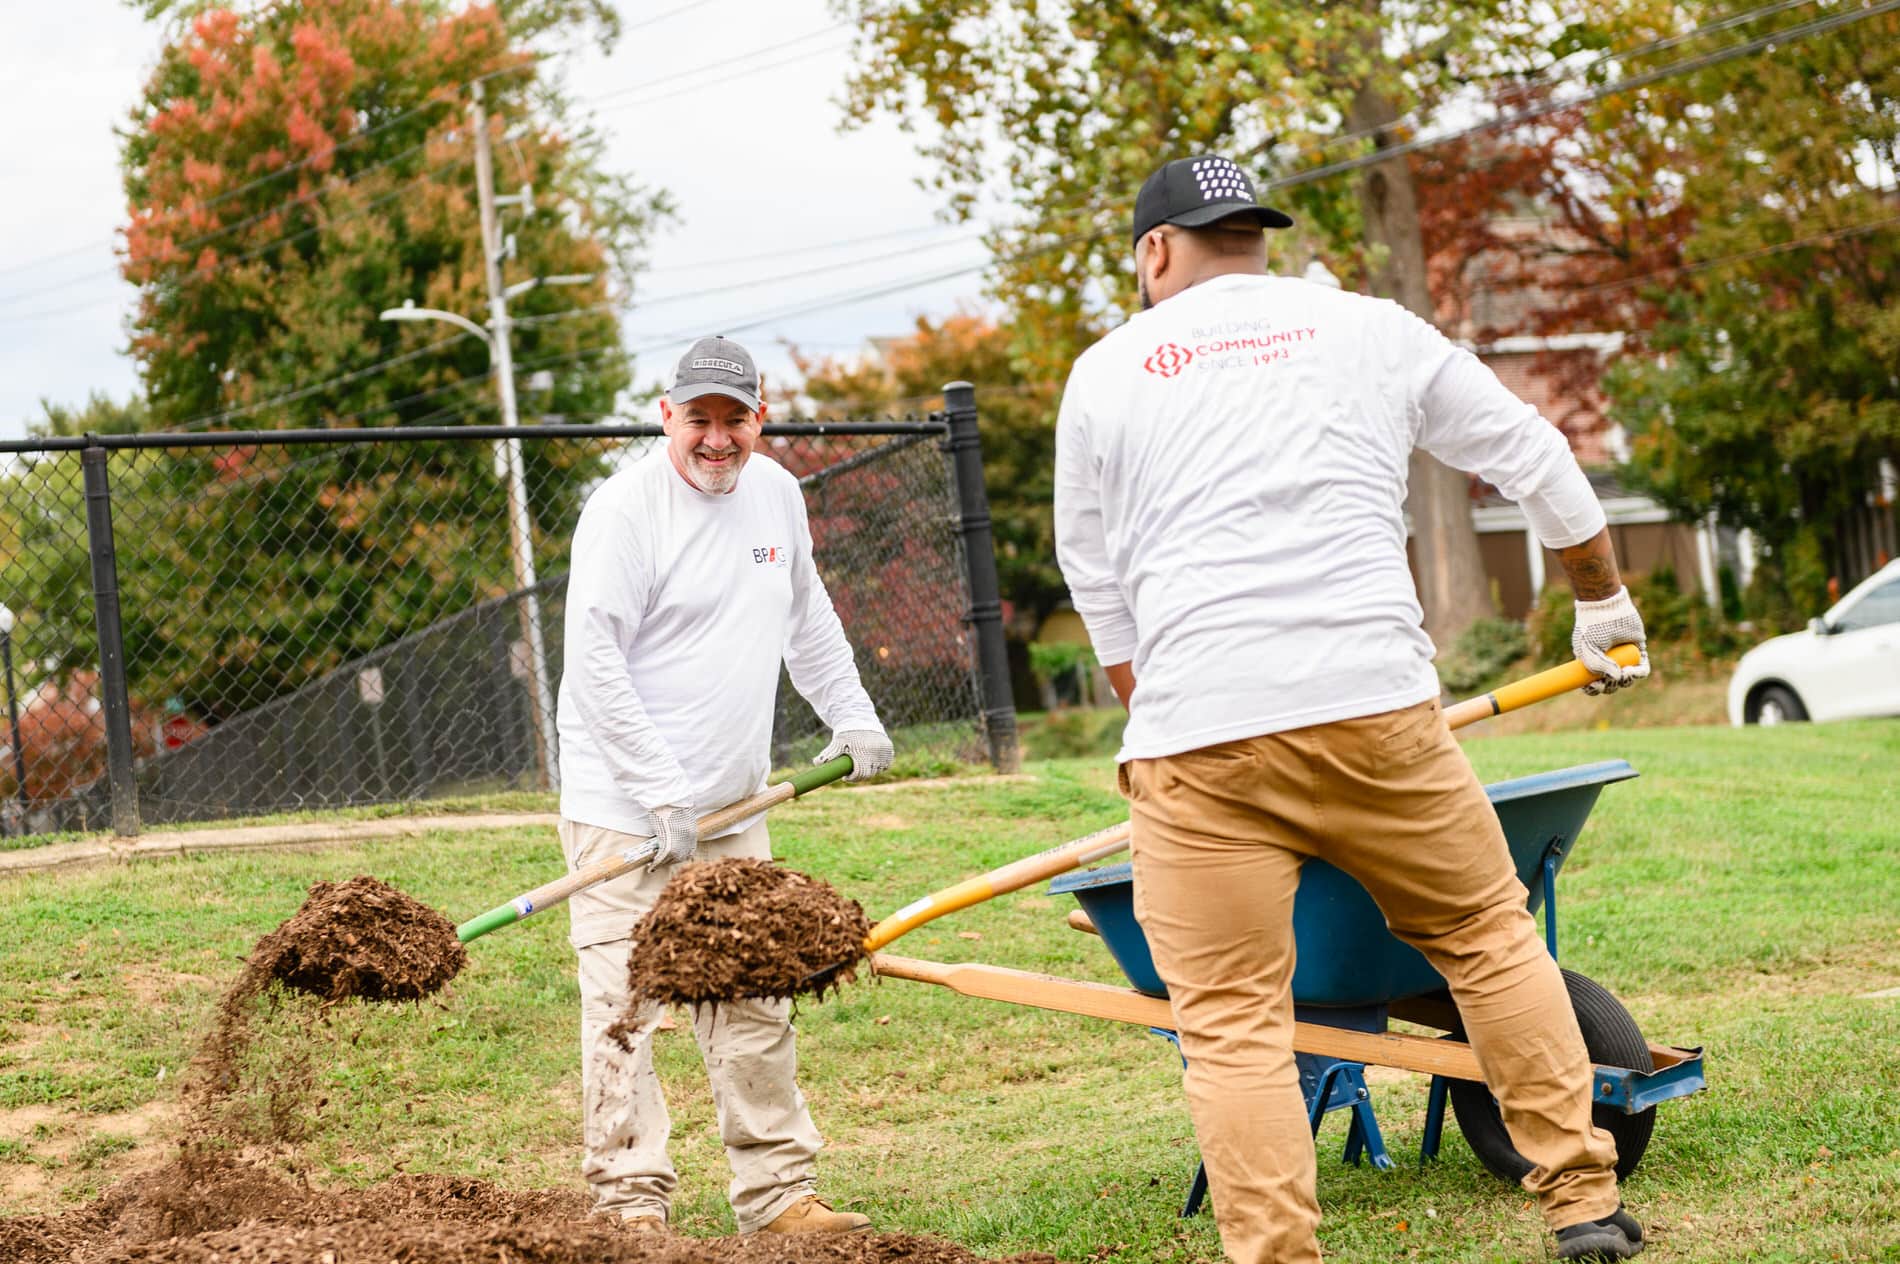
(745, 928)
(362, 938)
(200, 1210)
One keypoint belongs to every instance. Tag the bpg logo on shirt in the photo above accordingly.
(772, 555)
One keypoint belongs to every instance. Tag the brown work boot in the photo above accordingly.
(646, 1224)
(812, 1214)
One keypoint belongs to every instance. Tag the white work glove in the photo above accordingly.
(870, 751)
(676, 830)
(1601, 625)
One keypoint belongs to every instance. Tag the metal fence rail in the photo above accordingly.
(201, 626)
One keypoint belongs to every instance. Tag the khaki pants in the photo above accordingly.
(1219, 837)
(748, 1048)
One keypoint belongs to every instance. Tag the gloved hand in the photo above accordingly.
(676, 830)
(870, 751)
(1601, 625)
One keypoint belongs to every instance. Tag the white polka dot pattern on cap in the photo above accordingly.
(1221, 181)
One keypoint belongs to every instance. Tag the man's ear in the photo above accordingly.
(1159, 253)
(666, 414)
(765, 405)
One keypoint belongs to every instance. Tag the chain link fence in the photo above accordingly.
(209, 626)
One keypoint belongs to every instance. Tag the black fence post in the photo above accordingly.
(105, 607)
(985, 616)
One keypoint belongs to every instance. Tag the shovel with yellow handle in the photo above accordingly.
(1108, 842)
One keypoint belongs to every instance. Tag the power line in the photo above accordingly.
(723, 63)
(303, 392)
(658, 18)
(1787, 35)
(752, 283)
(288, 168)
(812, 249)
(1760, 252)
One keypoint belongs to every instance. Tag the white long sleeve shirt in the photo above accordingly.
(680, 606)
(1229, 502)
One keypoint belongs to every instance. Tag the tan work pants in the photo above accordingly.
(748, 1048)
(1219, 837)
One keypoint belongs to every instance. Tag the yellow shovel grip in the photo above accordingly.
(1545, 684)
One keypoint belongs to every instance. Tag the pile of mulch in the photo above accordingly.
(202, 1209)
(729, 929)
(362, 938)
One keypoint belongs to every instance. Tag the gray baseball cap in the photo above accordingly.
(717, 366)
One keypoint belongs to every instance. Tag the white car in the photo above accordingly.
(1846, 664)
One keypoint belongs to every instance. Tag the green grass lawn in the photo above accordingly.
(1744, 894)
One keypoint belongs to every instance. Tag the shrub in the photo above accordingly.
(1482, 654)
(1552, 621)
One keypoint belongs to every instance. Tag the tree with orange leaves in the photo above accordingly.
(294, 169)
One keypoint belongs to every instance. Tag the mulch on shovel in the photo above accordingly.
(362, 938)
(745, 928)
(199, 1210)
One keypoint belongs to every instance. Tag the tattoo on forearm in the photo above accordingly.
(1591, 567)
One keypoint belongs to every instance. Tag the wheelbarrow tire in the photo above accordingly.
(1613, 1039)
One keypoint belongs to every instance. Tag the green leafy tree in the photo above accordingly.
(1061, 111)
(1771, 393)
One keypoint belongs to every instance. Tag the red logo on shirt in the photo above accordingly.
(1168, 359)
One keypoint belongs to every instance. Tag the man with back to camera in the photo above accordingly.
(688, 585)
(1230, 481)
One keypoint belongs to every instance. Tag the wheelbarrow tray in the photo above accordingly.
(1345, 955)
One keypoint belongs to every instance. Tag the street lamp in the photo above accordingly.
(520, 530)
(13, 712)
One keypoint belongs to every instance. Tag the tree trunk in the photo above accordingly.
(1452, 586)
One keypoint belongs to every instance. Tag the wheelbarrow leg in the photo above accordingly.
(1197, 1192)
(1197, 1188)
(1435, 1103)
(1342, 1085)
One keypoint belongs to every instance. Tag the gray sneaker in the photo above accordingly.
(1615, 1237)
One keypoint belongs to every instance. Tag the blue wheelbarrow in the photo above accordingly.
(1353, 977)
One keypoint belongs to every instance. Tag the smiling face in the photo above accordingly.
(709, 440)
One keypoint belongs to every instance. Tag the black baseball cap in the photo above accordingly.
(717, 366)
(1194, 192)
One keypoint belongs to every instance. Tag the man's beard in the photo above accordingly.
(719, 479)
(1141, 290)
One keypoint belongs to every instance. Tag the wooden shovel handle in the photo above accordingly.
(549, 894)
(1011, 877)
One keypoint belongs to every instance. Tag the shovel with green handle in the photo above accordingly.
(558, 891)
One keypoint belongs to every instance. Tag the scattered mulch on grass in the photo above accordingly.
(744, 928)
(199, 1210)
(362, 938)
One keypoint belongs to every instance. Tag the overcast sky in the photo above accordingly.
(773, 177)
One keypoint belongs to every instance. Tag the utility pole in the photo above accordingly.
(508, 463)
(520, 526)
